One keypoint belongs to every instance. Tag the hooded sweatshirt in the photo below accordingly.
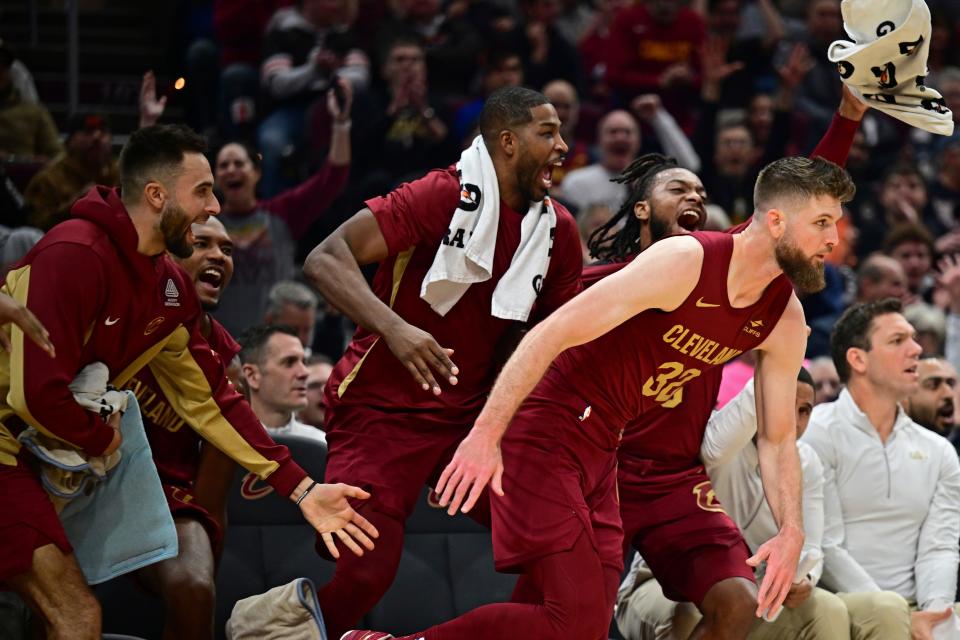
(102, 300)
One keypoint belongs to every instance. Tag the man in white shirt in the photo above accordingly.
(729, 453)
(891, 487)
(275, 373)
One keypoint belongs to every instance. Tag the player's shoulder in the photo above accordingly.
(565, 220)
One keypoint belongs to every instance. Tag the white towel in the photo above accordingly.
(287, 612)
(886, 65)
(466, 253)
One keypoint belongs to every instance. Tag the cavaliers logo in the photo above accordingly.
(181, 495)
(433, 500)
(153, 325)
(252, 489)
(706, 498)
(469, 197)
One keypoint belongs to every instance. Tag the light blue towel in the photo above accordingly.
(124, 524)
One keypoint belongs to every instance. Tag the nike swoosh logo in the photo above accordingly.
(705, 305)
(110, 322)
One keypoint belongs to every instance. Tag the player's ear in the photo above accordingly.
(508, 143)
(642, 211)
(776, 222)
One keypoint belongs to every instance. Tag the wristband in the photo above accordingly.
(305, 492)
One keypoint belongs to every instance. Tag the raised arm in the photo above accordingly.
(781, 356)
(588, 316)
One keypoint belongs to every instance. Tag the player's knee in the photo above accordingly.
(730, 607)
(190, 591)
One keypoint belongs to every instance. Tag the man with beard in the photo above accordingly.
(103, 286)
(195, 476)
(932, 404)
(891, 487)
(626, 346)
(390, 426)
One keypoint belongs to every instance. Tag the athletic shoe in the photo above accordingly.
(366, 635)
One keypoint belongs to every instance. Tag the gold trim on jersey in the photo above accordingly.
(188, 391)
(399, 267)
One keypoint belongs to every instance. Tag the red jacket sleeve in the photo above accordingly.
(194, 381)
(67, 302)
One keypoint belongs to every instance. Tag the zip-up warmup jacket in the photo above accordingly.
(892, 510)
(103, 301)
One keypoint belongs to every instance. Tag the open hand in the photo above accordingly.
(420, 353)
(13, 311)
(327, 510)
(782, 554)
(476, 462)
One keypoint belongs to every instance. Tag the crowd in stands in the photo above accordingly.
(311, 107)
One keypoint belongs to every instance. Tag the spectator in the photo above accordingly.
(879, 277)
(668, 136)
(618, 137)
(547, 55)
(892, 488)
(930, 324)
(451, 43)
(272, 362)
(302, 49)
(293, 305)
(26, 128)
(933, 404)
(753, 55)
(821, 87)
(595, 47)
(563, 96)
(655, 48)
(88, 160)
(405, 134)
(502, 68)
(319, 369)
(902, 200)
(826, 382)
(944, 195)
(912, 246)
(265, 232)
(732, 158)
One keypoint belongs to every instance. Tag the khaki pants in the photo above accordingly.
(648, 615)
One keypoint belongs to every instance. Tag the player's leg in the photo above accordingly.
(572, 583)
(392, 459)
(728, 610)
(37, 562)
(647, 614)
(54, 588)
(186, 584)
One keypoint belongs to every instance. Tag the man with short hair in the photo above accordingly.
(891, 487)
(880, 277)
(293, 304)
(388, 431)
(612, 364)
(319, 368)
(933, 404)
(125, 304)
(275, 375)
(826, 382)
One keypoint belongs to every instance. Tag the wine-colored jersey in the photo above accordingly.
(175, 446)
(638, 373)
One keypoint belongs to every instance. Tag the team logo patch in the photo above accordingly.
(172, 293)
(706, 498)
(153, 325)
(252, 489)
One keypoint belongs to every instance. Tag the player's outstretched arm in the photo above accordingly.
(326, 508)
(333, 267)
(781, 356)
(615, 299)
